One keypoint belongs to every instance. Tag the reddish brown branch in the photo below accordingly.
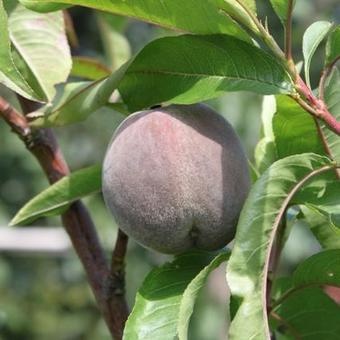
(77, 222)
(325, 145)
(315, 106)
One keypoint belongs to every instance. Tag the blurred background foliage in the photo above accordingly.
(45, 295)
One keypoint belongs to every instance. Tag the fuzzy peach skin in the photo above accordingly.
(175, 178)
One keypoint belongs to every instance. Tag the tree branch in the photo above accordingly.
(316, 107)
(77, 222)
(325, 145)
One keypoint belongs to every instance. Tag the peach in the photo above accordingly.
(175, 178)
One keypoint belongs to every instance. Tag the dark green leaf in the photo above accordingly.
(294, 129)
(258, 224)
(188, 69)
(60, 195)
(165, 301)
(320, 269)
(310, 314)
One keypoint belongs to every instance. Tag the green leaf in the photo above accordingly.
(76, 101)
(43, 8)
(238, 9)
(259, 221)
(166, 299)
(332, 98)
(322, 196)
(34, 35)
(281, 9)
(57, 197)
(294, 129)
(333, 45)
(265, 151)
(326, 199)
(116, 45)
(326, 233)
(265, 154)
(188, 69)
(310, 314)
(320, 269)
(10, 76)
(312, 38)
(205, 15)
(190, 295)
(89, 68)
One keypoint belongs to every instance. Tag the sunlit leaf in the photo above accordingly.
(312, 38)
(57, 197)
(38, 56)
(41, 7)
(9, 73)
(265, 151)
(206, 18)
(188, 69)
(257, 227)
(41, 42)
(239, 10)
(76, 101)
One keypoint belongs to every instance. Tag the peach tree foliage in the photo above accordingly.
(223, 46)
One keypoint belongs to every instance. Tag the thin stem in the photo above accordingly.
(325, 73)
(325, 145)
(316, 106)
(117, 278)
(292, 291)
(287, 294)
(264, 34)
(275, 256)
(119, 252)
(289, 327)
(77, 222)
(288, 32)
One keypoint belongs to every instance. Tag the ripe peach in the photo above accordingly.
(176, 178)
